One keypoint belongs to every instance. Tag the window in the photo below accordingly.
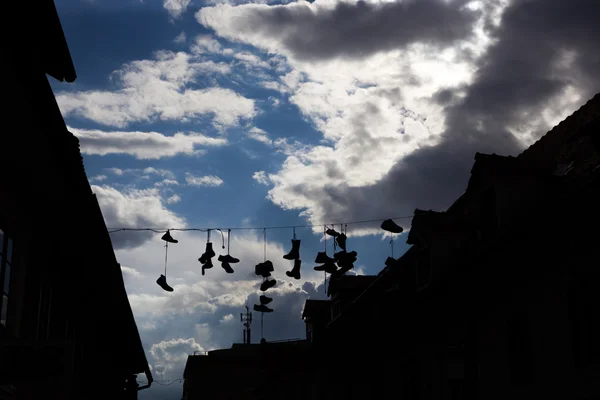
(457, 388)
(6, 261)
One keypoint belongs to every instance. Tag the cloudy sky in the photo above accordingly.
(229, 114)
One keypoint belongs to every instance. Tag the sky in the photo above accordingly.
(249, 114)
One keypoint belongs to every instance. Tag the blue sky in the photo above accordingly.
(224, 114)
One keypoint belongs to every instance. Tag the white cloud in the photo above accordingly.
(251, 60)
(207, 180)
(130, 271)
(174, 199)
(171, 353)
(206, 44)
(181, 38)
(143, 145)
(176, 7)
(134, 208)
(166, 182)
(259, 135)
(159, 172)
(261, 177)
(160, 89)
(98, 178)
(116, 171)
(369, 124)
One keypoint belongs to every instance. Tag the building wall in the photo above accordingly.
(63, 268)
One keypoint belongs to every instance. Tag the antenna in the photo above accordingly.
(246, 322)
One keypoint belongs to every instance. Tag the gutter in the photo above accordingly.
(148, 377)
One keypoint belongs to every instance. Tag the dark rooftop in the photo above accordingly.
(349, 282)
(549, 146)
(314, 308)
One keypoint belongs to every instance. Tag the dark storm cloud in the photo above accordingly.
(517, 78)
(360, 29)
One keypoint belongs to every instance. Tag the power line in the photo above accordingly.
(172, 381)
(161, 230)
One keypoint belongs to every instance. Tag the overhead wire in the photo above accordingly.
(161, 230)
(172, 381)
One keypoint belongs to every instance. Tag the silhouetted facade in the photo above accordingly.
(269, 371)
(496, 298)
(316, 315)
(67, 330)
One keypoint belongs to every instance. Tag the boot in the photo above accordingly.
(344, 267)
(168, 238)
(262, 308)
(208, 253)
(207, 265)
(294, 254)
(345, 256)
(329, 267)
(265, 300)
(260, 270)
(390, 226)
(268, 265)
(323, 258)
(332, 232)
(341, 241)
(229, 259)
(264, 269)
(267, 285)
(162, 282)
(295, 272)
(227, 267)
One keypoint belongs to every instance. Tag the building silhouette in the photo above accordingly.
(496, 298)
(66, 328)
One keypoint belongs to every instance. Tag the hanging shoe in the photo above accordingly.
(341, 241)
(168, 238)
(267, 285)
(390, 226)
(344, 267)
(227, 267)
(294, 254)
(264, 299)
(228, 259)
(208, 253)
(261, 270)
(268, 266)
(323, 258)
(262, 308)
(162, 282)
(295, 272)
(345, 256)
(332, 232)
(329, 267)
(206, 265)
